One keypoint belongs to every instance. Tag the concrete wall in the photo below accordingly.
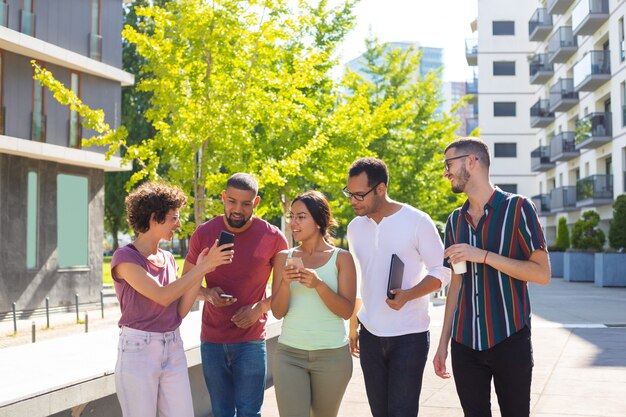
(29, 288)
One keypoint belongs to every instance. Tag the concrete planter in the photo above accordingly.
(578, 266)
(556, 263)
(609, 269)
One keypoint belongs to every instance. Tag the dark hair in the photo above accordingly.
(319, 208)
(472, 146)
(152, 197)
(374, 168)
(243, 181)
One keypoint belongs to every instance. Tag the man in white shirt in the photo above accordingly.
(393, 338)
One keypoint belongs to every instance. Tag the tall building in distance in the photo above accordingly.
(52, 190)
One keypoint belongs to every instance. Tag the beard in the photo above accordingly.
(461, 181)
(236, 224)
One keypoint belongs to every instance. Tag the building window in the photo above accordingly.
(503, 27)
(75, 133)
(622, 52)
(95, 36)
(622, 89)
(1, 92)
(504, 68)
(4, 14)
(504, 109)
(505, 150)
(72, 221)
(32, 215)
(38, 125)
(27, 18)
(508, 188)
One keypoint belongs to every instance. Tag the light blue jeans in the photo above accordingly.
(235, 377)
(151, 374)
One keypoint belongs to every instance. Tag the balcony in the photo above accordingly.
(559, 6)
(563, 147)
(593, 70)
(562, 45)
(542, 202)
(540, 69)
(588, 16)
(540, 114)
(4, 14)
(471, 87)
(596, 190)
(471, 52)
(540, 159)
(563, 199)
(95, 46)
(38, 127)
(594, 130)
(562, 95)
(27, 23)
(539, 25)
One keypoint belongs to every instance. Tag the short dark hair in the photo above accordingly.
(152, 197)
(243, 181)
(472, 146)
(374, 168)
(318, 206)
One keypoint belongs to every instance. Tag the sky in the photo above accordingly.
(435, 23)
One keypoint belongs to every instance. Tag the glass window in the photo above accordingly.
(72, 221)
(95, 16)
(74, 127)
(1, 92)
(32, 215)
(38, 129)
(504, 68)
(505, 150)
(503, 109)
(622, 35)
(622, 88)
(509, 188)
(503, 27)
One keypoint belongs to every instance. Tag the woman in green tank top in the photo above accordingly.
(313, 291)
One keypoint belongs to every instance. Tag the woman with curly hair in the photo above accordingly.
(151, 370)
(312, 364)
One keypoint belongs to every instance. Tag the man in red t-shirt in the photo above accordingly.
(233, 329)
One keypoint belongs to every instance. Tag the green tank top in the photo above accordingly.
(309, 324)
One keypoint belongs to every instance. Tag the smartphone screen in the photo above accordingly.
(225, 237)
(297, 262)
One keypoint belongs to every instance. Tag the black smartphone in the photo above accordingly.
(225, 237)
(226, 296)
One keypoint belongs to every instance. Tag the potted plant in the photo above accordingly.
(557, 251)
(609, 265)
(587, 239)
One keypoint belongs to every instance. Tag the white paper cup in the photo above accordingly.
(460, 267)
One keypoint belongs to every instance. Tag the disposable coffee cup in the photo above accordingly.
(460, 267)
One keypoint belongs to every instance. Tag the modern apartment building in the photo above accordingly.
(577, 75)
(52, 190)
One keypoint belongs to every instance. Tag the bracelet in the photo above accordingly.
(485, 259)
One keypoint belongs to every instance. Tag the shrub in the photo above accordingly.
(617, 229)
(586, 234)
(562, 235)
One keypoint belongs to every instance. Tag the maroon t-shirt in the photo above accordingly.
(245, 278)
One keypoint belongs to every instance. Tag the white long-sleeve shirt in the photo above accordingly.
(412, 235)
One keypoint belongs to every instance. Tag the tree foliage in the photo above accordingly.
(562, 235)
(586, 234)
(617, 229)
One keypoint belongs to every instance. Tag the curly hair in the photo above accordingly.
(149, 198)
(319, 208)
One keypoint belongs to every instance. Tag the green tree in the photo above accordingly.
(562, 235)
(586, 235)
(617, 228)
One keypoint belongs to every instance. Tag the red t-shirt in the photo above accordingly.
(245, 278)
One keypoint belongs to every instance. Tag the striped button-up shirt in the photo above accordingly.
(491, 305)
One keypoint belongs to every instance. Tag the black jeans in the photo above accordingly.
(393, 368)
(509, 363)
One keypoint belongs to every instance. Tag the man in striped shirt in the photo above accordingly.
(487, 314)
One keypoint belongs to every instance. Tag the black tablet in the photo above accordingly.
(396, 270)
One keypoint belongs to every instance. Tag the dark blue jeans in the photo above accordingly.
(393, 368)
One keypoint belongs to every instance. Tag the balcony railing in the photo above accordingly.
(593, 70)
(588, 16)
(539, 25)
(4, 14)
(540, 159)
(563, 147)
(540, 69)
(38, 127)
(540, 114)
(562, 95)
(27, 22)
(95, 46)
(559, 6)
(563, 199)
(594, 130)
(542, 202)
(562, 45)
(594, 190)
(471, 52)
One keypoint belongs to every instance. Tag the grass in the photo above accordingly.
(106, 268)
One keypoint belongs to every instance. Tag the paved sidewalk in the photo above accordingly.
(580, 362)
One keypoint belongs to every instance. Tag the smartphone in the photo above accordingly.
(297, 262)
(226, 296)
(225, 237)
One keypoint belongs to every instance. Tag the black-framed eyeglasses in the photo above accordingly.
(358, 196)
(446, 162)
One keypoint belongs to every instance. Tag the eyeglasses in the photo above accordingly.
(358, 197)
(293, 218)
(446, 162)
